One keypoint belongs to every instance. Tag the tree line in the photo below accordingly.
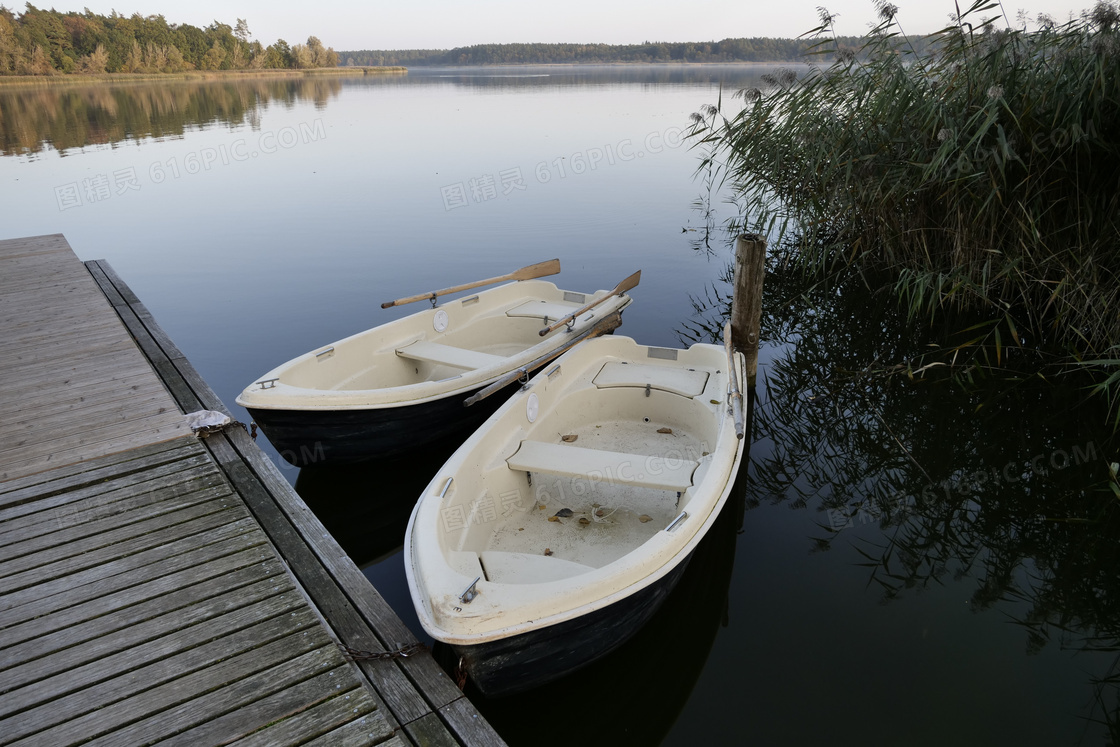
(48, 42)
(757, 49)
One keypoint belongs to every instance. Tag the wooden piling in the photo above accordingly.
(746, 308)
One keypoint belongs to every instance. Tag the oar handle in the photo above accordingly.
(540, 269)
(735, 395)
(602, 327)
(619, 289)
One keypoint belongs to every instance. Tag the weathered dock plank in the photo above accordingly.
(246, 587)
(36, 452)
(34, 601)
(319, 720)
(176, 480)
(155, 587)
(163, 711)
(430, 731)
(91, 494)
(68, 560)
(111, 524)
(354, 734)
(63, 480)
(359, 615)
(157, 590)
(275, 631)
(75, 667)
(284, 705)
(50, 298)
(202, 648)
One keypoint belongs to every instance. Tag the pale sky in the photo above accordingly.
(443, 24)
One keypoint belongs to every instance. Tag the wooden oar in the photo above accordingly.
(602, 327)
(622, 287)
(539, 270)
(735, 395)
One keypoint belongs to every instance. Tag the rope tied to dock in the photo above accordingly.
(354, 654)
(204, 423)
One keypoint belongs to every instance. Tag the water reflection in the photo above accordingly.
(70, 117)
(366, 506)
(569, 77)
(999, 482)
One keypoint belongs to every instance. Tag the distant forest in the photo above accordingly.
(47, 42)
(728, 50)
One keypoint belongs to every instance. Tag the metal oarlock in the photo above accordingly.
(470, 592)
(678, 520)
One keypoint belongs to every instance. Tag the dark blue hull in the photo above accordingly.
(305, 437)
(540, 656)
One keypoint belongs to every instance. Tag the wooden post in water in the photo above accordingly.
(746, 306)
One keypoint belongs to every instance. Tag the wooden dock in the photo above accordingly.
(159, 587)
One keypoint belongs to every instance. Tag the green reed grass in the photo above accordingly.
(983, 174)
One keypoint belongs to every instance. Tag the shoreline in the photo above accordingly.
(669, 63)
(62, 79)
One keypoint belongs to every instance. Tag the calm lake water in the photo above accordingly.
(905, 562)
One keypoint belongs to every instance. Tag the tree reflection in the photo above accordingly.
(65, 117)
(998, 479)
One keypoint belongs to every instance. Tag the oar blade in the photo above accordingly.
(629, 283)
(551, 267)
(539, 270)
(619, 289)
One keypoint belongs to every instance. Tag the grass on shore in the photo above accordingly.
(61, 79)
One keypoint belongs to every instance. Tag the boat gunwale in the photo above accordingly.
(635, 559)
(279, 396)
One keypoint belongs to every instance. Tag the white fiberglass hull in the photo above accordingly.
(585, 491)
(402, 384)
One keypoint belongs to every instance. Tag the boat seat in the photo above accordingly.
(664, 378)
(525, 568)
(608, 467)
(542, 309)
(466, 563)
(448, 355)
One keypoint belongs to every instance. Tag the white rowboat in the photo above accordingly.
(401, 384)
(561, 524)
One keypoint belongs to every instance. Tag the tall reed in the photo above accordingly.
(982, 173)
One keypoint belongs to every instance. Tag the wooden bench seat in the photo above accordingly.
(525, 568)
(447, 355)
(542, 310)
(606, 467)
(663, 378)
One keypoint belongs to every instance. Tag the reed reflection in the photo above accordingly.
(997, 479)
